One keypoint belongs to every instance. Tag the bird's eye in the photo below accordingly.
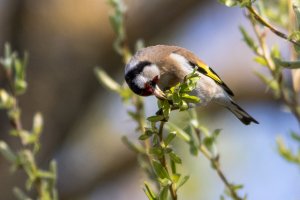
(155, 80)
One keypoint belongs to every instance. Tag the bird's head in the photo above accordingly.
(142, 78)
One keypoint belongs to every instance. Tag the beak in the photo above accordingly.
(159, 94)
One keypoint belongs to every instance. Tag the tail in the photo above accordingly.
(241, 114)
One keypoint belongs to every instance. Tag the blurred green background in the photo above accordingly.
(84, 123)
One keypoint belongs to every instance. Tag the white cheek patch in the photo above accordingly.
(183, 62)
(140, 81)
(151, 71)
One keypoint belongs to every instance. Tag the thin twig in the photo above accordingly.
(269, 26)
(17, 125)
(216, 165)
(163, 161)
(291, 102)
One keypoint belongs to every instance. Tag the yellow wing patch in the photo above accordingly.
(206, 70)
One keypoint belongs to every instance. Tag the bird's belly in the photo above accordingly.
(206, 89)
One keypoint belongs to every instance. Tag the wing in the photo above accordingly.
(203, 68)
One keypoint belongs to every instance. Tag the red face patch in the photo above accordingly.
(149, 87)
(148, 90)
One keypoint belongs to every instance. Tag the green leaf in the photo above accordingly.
(175, 158)
(155, 140)
(288, 64)
(163, 195)
(180, 132)
(285, 152)
(7, 152)
(183, 181)
(144, 137)
(248, 39)
(20, 195)
(134, 147)
(237, 187)
(9, 58)
(133, 115)
(190, 99)
(158, 151)
(176, 99)
(166, 108)
(297, 13)
(193, 149)
(37, 126)
(45, 174)
(175, 177)
(20, 86)
(275, 52)
(150, 194)
(216, 133)
(183, 106)
(53, 169)
(271, 83)
(208, 142)
(229, 3)
(260, 60)
(6, 101)
(169, 138)
(156, 118)
(295, 36)
(160, 171)
(106, 80)
(295, 136)
(245, 3)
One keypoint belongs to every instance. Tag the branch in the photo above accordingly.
(172, 189)
(269, 26)
(25, 159)
(291, 102)
(215, 161)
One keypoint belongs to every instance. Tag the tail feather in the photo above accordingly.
(241, 114)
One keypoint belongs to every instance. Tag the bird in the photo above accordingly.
(154, 69)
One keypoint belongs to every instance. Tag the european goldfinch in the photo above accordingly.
(157, 68)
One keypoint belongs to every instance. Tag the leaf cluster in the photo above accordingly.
(24, 158)
(262, 15)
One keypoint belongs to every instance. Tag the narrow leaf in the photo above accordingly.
(156, 118)
(190, 99)
(150, 194)
(295, 136)
(20, 195)
(144, 137)
(7, 152)
(181, 133)
(175, 158)
(160, 171)
(134, 147)
(106, 80)
(37, 124)
(163, 195)
(170, 138)
(248, 40)
(260, 60)
(229, 3)
(288, 64)
(183, 181)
